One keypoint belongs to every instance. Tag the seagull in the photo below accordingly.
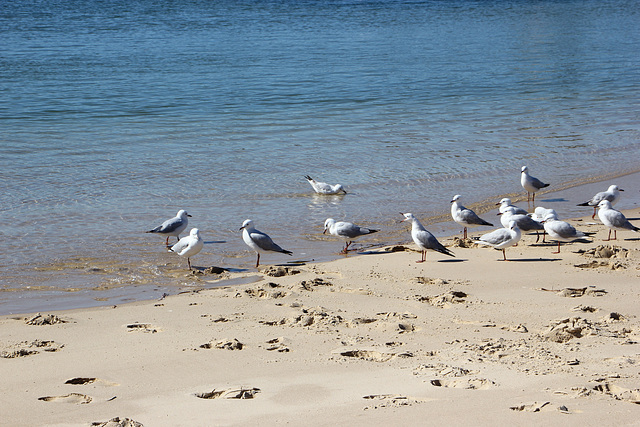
(612, 194)
(259, 241)
(539, 214)
(531, 184)
(465, 217)
(614, 219)
(506, 202)
(524, 222)
(189, 245)
(502, 238)
(345, 230)
(324, 188)
(561, 231)
(173, 226)
(423, 238)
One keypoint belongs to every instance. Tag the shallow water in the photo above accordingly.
(117, 114)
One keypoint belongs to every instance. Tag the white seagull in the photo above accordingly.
(324, 188)
(530, 184)
(524, 222)
(506, 203)
(424, 239)
(502, 238)
(345, 230)
(189, 245)
(259, 241)
(614, 220)
(464, 216)
(173, 226)
(612, 194)
(561, 231)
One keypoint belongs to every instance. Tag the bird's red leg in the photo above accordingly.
(558, 248)
(258, 261)
(608, 237)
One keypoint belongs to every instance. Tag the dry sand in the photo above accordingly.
(374, 339)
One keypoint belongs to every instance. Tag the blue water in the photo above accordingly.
(115, 114)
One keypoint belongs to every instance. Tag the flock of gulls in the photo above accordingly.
(514, 221)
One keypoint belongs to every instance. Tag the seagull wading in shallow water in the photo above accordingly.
(464, 216)
(561, 231)
(531, 184)
(614, 220)
(502, 238)
(612, 194)
(189, 245)
(259, 241)
(324, 188)
(173, 226)
(345, 230)
(423, 238)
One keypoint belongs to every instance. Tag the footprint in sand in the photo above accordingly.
(577, 292)
(241, 393)
(371, 355)
(444, 300)
(89, 380)
(280, 271)
(466, 383)
(39, 320)
(532, 407)
(117, 422)
(142, 327)
(392, 401)
(280, 344)
(226, 344)
(28, 348)
(75, 398)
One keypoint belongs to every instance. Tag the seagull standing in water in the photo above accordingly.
(612, 194)
(324, 188)
(464, 216)
(531, 184)
(189, 245)
(345, 230)
(561, 231)
(423, 238)
(502, 238)
(173, 226)
(259, 241)
(614, 220)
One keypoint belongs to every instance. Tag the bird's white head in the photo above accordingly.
(513, 225)
(194, 232)
(408, 216)
(504, 202)
(614, 188)
(524, 169)
(338, 188)
(605, 204)
(456, 198)
(183, 214)
(327, 224)
(247, 225)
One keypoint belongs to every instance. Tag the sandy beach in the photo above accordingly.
(371, 339)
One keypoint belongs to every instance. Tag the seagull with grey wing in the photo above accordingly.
(506, 203)
(464, 216)
(612, 194)
(259, 241)
(324, 188)
(173, 226)
(502, 238)
(345, 230)
(424, 239)
(614, 220)
(531, 184)
(561, 231)
(524, 222)
(189, 245)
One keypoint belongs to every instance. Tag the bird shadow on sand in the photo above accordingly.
(453, 260)
(559, 199)
(532, 259)
(211, 242)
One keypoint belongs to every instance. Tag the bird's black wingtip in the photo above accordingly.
(308, 177)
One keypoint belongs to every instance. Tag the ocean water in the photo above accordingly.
(116, 114)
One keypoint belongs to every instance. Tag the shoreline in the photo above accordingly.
(542, 338)
(441, 225)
